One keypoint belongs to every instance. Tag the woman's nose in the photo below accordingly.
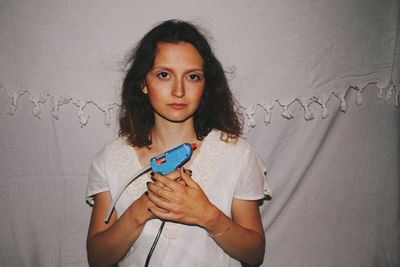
(179, 90)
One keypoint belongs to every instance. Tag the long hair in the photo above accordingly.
(217, 106)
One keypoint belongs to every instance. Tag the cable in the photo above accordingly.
(163, 164)
(111, 208)
(122, 188)
(154, 244)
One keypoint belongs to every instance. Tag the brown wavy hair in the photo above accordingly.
(217, 106)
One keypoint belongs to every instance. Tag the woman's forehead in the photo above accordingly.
(174, 54)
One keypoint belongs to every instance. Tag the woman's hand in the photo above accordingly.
(178, 198)
(107, 243)
(139, 210)
(182, 200)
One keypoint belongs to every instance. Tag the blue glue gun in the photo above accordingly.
(162, 164)
(172, 159)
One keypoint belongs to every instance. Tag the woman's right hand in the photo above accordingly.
(107, 243)
(139, 210)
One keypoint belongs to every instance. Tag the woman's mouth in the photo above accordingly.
(177, 106)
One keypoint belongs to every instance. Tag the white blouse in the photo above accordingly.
(223, 170)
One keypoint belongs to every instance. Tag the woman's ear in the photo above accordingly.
(144, 88)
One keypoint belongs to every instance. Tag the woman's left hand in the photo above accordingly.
(179, 200)
(182, 200)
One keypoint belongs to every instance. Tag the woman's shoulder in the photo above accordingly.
(232, 144)
(237, 141)
(113, 148)
(118, 142)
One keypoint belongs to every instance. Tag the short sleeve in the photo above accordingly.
(97, 181)
(252, 181)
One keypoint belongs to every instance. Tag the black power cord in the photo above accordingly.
(154, 244)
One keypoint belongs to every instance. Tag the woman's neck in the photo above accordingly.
(166, 135)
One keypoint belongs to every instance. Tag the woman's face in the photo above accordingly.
(175, 83)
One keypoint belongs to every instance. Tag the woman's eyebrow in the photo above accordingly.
(163, 67)
(194, 70)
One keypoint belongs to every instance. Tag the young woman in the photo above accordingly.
(175, 92)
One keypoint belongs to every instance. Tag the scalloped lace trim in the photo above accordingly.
(124, 157)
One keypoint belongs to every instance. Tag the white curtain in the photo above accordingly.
(318, 87)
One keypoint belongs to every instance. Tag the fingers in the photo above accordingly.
(180, 180)
(186, 177)
(150, 204)
(166, 181)
(140, 207)
(188, 172)
(174, 175)
(161, 191)
(162, 214)
(162, 202)
(169, 194)
(157, 186)
(174, 181)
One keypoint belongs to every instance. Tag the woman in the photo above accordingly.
(175, 91)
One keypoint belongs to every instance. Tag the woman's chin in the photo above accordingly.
(175, 118)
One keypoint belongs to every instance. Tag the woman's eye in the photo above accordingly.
(194, 77)
(163, 75)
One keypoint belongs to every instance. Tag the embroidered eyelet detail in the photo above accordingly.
(125, 160)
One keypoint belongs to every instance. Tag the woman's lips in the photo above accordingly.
(177, 106)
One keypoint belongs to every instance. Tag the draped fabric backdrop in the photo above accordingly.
(318, 87)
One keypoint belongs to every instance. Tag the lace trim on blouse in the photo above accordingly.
(204, 168)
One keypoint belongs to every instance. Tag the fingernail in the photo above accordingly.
(147, 184)
(190, 172)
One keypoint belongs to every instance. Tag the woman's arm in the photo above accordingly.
(242, 237)
(107, 243)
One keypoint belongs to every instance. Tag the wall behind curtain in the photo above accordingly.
(317, 82)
